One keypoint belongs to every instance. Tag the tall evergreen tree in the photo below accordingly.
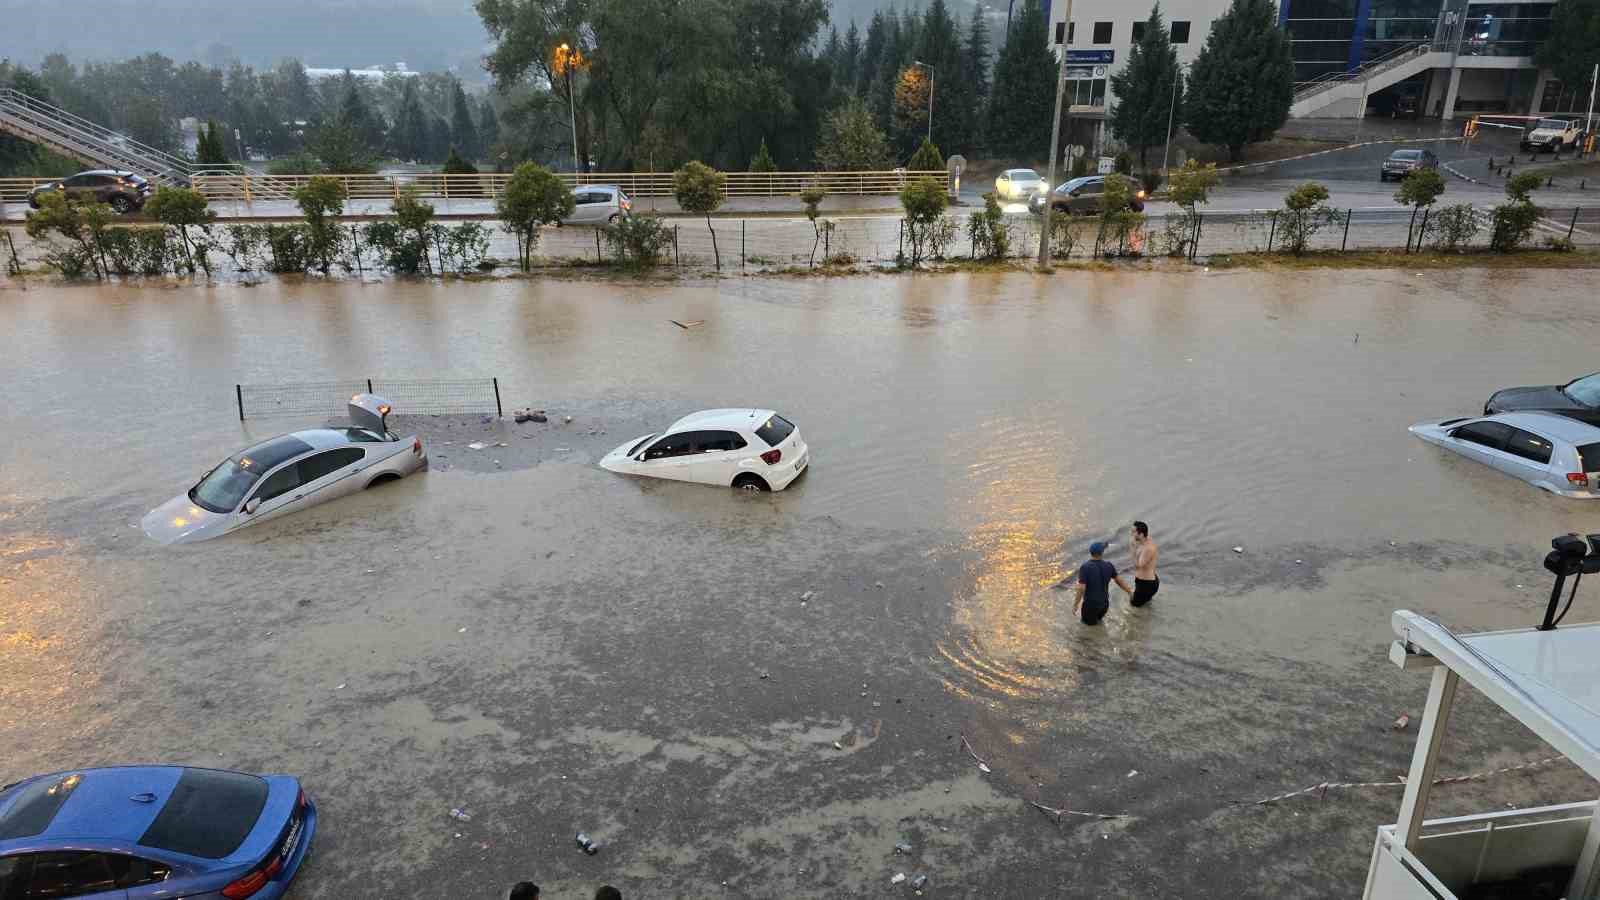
(939, 47)
(871, 55)
(488, 126)
(975, 63)
(356, 113)
(833, 51)
(1147, 89)
(844, 76)
(1025, 87)
(1573, 47)
(1242, 83)
(463, 132)
(881, 98)
(409, 137)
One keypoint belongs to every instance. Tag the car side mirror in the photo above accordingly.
(251, 505)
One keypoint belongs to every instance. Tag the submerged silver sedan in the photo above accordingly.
(289, 473)
(1548, 451)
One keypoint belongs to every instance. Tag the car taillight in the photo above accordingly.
(416, 450)
(254, 881)
(1140, 195)
(771, 457)
(300, 801)
(1578, 479)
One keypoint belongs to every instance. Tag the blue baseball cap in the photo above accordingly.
(1097, 548)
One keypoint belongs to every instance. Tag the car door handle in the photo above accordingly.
(299, 496)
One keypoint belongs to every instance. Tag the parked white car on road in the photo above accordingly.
(750, 449)
(598, 204)
(1556, 453)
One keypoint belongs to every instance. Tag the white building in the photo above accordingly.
(1437, 58)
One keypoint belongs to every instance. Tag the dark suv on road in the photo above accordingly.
(1082, 196)
(1403, 162)
(124, 192)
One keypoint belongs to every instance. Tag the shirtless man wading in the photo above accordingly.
(1145, 551)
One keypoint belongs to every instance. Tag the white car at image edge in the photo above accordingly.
(749, 449)
(1548, 451)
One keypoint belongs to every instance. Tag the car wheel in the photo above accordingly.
(385, 478)
(121, 205)
(613, 219)
(753, 484)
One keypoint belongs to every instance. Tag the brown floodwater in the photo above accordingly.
(561, 648)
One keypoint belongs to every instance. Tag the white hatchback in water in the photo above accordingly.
(750, 449)
(289, 473)
(1548, 451)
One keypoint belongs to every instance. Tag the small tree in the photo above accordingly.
(990, 235)
(638, 241)
(321, 201)
(455, 165)
(534, 197)
(924, 201)
(850, 141)
(700, 190)
(1148, 88)
(209, 149)
(820, 227)
(1419, 190)
(762, 161)
(1118, 221)
(82, 224)
(181, 209)
(1188, 187)
(1305, 213)
(1512, 222)
(1453, 226)
(926, 159)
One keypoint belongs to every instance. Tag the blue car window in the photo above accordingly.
(36, 804)
(67, 874)
(209, 814)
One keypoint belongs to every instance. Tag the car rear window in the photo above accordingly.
(209, 814)
(775, 430)
(1407, 154)
(36, 805)
(1590, 455)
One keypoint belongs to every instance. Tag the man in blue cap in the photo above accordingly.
(1094, 583)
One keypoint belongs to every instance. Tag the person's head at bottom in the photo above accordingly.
(1097, 549)
(607, 892)
(524, 890)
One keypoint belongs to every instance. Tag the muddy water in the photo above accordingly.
(557, 648)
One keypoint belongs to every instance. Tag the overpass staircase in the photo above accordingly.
(70, 135)
(1339, 94)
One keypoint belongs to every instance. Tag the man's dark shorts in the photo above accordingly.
(1145, 591)
(1093, 614)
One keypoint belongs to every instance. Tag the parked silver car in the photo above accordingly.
(1556, 453)
(289, 473)
(598, 204)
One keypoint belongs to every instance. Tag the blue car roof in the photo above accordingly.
(101, 805)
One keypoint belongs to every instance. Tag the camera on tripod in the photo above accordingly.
(1569, 555)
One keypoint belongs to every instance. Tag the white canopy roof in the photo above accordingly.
(1548, 680)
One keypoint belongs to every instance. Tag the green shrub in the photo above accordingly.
(988, 230)
(924, 201)
(700, 190)
(926, 159)
(638, 241)
(1305, 212)
(1453, 227)
(534, 197)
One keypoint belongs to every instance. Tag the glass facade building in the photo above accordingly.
(1331, 36)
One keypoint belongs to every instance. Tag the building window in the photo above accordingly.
(1180, 32)
(1060, 28)
(1102, 32)
(1138, 32)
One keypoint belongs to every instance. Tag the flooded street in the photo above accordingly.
(555, 648)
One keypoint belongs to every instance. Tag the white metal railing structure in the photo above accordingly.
(72, 135)
(1396, 57)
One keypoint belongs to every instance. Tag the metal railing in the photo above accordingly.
(1304, 90)
(409, 396)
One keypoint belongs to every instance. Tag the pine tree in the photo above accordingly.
(833, 51)
(939, 48)
(409, 138)
(356, 115)
(210, 150)
(881, 98)
(463, 133)
(975, 65)
(871, 55)
(1146, 89)
(1242, 83)
(1024, 88)
(844, 77)
(488, 126)
(762, 161)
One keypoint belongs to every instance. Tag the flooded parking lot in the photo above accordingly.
(554, 648)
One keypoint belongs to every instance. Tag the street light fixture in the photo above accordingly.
(930, 96)
(566, 60)
(1172, 105)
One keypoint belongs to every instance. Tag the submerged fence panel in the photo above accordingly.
(329, 398)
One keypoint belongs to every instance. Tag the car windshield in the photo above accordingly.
(1585, 390)
(1557, 124)
(775, 430)
(1406, 154)
(222, 489)
(1068, 187)
(1023, 175)
(634, 451)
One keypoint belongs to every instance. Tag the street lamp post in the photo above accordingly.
(564, 59)
(1055, 144)
(930, 97)
(1172, 106)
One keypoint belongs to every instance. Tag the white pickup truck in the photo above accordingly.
(1553, 135)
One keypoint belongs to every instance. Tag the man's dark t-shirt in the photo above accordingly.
(1095, 576)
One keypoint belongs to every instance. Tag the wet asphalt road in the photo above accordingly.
(551, 647)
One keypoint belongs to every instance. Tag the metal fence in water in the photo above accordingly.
(328, 398)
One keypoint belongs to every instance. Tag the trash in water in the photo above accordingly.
(588, 844)
(476, 445)
(1132, 772)
(563, 449)
(529, 414)
(898, 878)
(919, 882)
(878, 584)
(1401, 723)
(488, 419)
(501, 444)
(984, 768)
(461, 630)
(461, 814)
(692, 323)
(1238, 549)
(339, 688)
(836, 744)
(902, 848)
(807, 596)
(567, 419)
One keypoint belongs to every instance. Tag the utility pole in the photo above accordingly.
(930, 96)
(1055, 140)
(1172, 105)
(1588, 119)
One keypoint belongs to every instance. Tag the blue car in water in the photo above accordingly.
(138, 832)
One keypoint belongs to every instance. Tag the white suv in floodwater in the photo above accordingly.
(1553, 135)
(750, 449)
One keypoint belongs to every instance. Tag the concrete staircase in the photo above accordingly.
(1339, 95)
(52, 127)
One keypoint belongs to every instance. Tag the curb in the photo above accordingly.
(1274, 162)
